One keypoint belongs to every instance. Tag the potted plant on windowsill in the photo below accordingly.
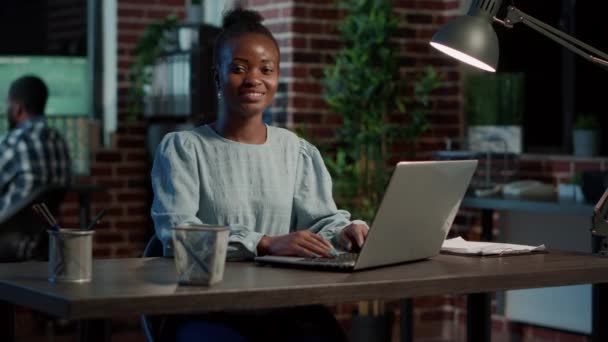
(494, 107)
(585, 135)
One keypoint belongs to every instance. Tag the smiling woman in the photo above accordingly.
(270, 187)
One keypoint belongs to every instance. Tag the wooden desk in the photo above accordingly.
(136, 286)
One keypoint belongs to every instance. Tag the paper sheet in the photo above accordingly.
(461, 246)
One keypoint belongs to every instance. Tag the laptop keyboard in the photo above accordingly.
(344, 260)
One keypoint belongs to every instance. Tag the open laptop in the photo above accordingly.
(416, 213)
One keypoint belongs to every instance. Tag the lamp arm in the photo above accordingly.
(514, 16)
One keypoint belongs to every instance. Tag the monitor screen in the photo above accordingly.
(66, 78)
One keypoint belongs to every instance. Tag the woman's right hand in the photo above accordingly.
(302, 243)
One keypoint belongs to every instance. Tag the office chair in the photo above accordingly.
(23, 236)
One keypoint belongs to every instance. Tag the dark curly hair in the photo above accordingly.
(237, 22)
(31, 92)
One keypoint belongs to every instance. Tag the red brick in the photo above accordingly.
(108, 156)
(560, 166)
(306, 27)
(131, 142)
(306, 87)
(323, 132)
(102, 170)
(434, 301)
(418, 47)
(441, 20)
(299, 102)
(101, 197)
(111, 183)
(105, 237)
(319, 103)
(299, 42)
(138, 210)
(333, 119)
(580, 166)
(418, 18)
(437, 5)
(138, 197)
(316, 72)
(307, 118)
(324, 13)
(436, 315)
(136, 156)
(130, 171)
(138, 236)
(131, 12)
(332, 44)
(101, 252)
(131, 224)
(299, 71)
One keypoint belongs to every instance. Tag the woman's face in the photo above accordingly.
(248, 73)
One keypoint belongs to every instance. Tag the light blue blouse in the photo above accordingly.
(270, 189)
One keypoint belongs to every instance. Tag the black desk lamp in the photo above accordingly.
(471, 39)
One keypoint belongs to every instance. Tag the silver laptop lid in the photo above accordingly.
(416, 212)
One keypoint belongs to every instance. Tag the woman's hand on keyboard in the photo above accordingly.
(301, 243)
(353, 236)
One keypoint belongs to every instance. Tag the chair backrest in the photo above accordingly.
(51, 195)
(154, 248)
(20, 227)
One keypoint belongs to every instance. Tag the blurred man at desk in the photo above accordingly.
(32, 157)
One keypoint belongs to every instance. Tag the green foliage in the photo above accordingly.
(364, 86)
(149, 47)
(586, 121)
(494, 99)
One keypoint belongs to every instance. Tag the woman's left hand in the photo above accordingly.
(353, 235)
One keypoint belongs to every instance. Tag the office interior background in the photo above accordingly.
(88, 49)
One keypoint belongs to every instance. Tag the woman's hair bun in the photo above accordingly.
(240, 16)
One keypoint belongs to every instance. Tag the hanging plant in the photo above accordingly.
(155, 40)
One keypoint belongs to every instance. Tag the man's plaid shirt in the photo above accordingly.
(31, 156)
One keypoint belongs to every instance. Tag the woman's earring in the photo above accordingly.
(219, 94)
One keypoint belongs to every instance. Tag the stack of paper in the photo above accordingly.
(461, 246)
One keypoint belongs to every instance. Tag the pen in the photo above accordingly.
(96, 219)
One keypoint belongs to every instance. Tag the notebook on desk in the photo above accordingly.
(414, 217)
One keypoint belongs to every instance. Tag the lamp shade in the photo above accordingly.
(470, 39)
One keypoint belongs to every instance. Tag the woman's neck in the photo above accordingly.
(244, 130)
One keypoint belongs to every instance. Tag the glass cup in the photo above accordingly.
(200, 253)
(70, 255)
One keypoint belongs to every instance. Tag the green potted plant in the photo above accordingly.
(364, 86)
(150, 46)
(585, 135)
(494, 106)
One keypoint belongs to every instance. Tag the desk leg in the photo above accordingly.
(406, 321)
(479, 317)
(94, 330)
(7, 321)
(487, 224)
(599, 330)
